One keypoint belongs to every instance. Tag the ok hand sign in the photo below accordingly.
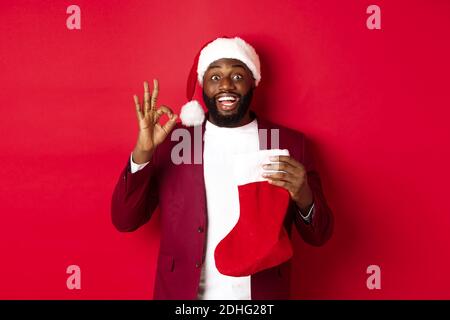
(151, 132)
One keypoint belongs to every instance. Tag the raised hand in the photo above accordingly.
(151, 132)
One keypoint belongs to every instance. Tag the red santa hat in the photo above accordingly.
(192, 113)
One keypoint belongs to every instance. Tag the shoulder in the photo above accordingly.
(285, 132)
(288, 138)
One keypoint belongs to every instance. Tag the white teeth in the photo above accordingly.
(227, 98)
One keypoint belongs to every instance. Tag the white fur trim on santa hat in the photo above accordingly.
(192, 114)
(234, 48)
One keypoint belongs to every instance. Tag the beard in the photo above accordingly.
(232, 119)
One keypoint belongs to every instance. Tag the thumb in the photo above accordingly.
(170, 124)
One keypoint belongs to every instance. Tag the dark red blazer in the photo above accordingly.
(179, 191)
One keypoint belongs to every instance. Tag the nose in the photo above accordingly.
(226, 84)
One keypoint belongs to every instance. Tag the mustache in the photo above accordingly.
(228, 120)
(231, 93)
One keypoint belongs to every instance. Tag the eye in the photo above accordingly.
(215, 77)
(237, 77)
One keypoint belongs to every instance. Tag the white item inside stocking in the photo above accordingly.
(247, 167)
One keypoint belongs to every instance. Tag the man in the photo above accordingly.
(197, 203)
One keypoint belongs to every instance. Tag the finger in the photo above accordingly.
(279, 176)
(154, 94)
(146, 98)
(287, 159)
(169, 125)
(280, 183)
(162, 110)
(138, 107)
(281, 166)
(158, 125)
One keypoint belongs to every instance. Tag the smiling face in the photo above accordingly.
(227, 91)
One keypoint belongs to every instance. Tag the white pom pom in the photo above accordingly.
(192, 114)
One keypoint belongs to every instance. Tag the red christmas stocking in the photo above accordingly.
(258, 241)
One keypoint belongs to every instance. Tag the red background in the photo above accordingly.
(374, 103)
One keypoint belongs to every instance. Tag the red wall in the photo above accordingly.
(375, 104)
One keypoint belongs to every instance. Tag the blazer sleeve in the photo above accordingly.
(135, 196)
(320, 229)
